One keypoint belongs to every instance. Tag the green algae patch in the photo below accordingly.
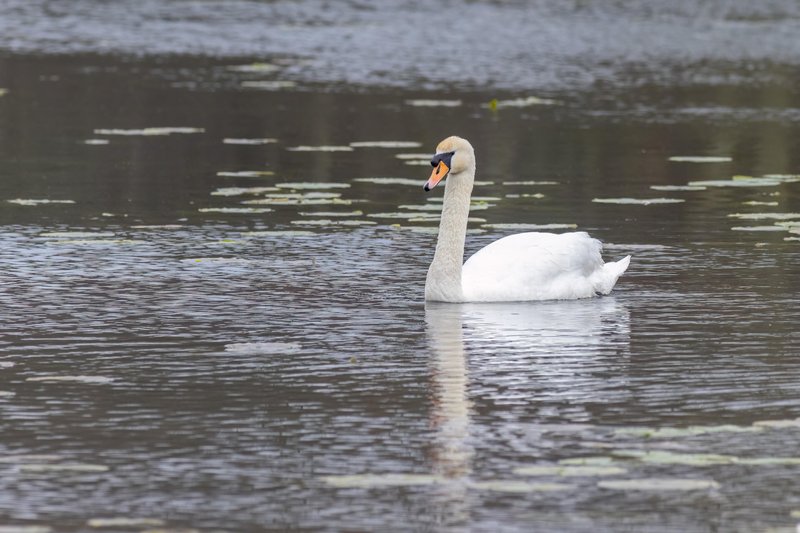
(658, 484)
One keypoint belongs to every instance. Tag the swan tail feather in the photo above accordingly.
(607, 277)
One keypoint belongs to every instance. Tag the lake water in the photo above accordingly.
(208, 327)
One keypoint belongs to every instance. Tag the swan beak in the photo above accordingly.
(438, 174)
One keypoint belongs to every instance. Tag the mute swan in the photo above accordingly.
(521, 267)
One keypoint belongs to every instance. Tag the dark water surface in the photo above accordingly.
(165, 358)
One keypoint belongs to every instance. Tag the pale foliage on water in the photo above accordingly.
(658, 484)
(638, 201)
(269, 85)
(522, 226)
(34, 202)
(254, 68)
(386, 144)
(169, 130)
(123, 522)
(700, 159)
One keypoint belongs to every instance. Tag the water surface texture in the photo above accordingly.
(213, 252)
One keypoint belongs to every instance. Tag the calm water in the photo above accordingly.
(262, 359)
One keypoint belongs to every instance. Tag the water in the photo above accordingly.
(280, 370)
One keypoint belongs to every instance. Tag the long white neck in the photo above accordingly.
(443, 282)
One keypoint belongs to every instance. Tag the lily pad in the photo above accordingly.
(256, 141)
(323, 148)
(638, 201)
(658, 484)
(433, 103)
(379, 480)
(699, 159)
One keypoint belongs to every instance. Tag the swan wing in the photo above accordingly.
(539, 266)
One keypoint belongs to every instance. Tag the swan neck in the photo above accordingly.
(444, 276)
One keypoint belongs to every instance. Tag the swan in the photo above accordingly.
(521, 267)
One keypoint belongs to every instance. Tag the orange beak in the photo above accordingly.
(438, 174)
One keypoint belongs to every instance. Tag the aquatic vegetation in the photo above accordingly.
(323, 148)
(235, 210)
(638, 201)
(699, 159)
(433, 103)
(269, 85)
(245, 173)
(386, 144)
(34, 202)
(244, 141)
(148, 131)
(658, 484)
(569, 471)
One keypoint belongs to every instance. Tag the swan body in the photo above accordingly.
(521, 267)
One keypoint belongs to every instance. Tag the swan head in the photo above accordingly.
(453, 156)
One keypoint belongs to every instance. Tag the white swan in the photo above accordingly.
(525, 266)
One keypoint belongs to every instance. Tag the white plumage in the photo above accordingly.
(521, 267)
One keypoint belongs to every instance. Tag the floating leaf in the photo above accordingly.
(433, 103)
(74, 379)
(240, 191)
(364, 481)
(324, 148)
(33, 202)
(246, 173)
(638, 201)
(530, 226)
(235, 210)
(699, 159)
(678, 188)
(124, 522)
(232, 140)
(149, 131)
(518, 486)
(658, 484)
(264, 347)
(386, 144)
(269, 85)
(96, 142)
(568, 471)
